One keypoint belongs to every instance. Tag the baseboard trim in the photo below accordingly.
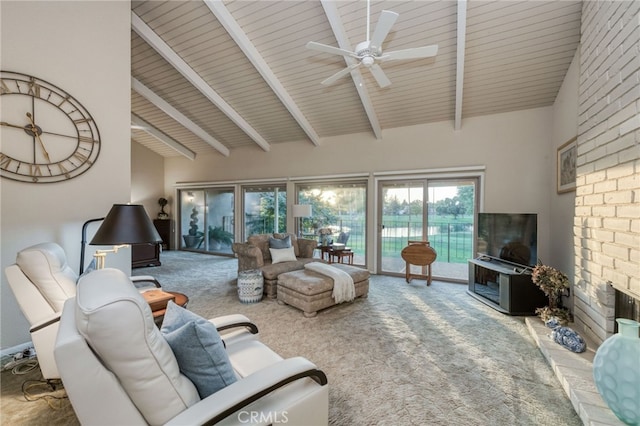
(15, 349)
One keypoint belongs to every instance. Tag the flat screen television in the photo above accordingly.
(512, 237)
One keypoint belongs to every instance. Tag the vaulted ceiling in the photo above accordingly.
(212, 76)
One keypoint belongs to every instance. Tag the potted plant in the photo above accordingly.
(553, 283)
(218, 236)
(163, 202)
(195, 237)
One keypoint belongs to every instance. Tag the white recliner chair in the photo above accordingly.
(117, 368)
(42, 280)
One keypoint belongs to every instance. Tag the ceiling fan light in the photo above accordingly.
(367, 61)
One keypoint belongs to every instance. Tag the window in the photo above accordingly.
(340, 207)
(265, 209)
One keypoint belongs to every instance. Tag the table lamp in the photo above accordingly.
(301, 210)
(125, 224)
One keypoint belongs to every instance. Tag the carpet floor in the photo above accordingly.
(406, 355)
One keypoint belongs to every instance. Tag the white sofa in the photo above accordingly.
(117, 367)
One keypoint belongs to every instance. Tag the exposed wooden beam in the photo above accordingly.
(462, 34)
(148, 35)
(178, 116)
(162, 137)
(240, 37)
(335, 21)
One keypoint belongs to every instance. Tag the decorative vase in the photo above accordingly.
(616, 371)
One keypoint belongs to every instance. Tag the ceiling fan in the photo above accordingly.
(369, 52)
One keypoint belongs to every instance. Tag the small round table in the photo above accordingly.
(418, 253)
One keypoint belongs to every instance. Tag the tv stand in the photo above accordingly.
(505, 286)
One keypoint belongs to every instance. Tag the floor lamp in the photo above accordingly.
(299, 211)
(125, 224)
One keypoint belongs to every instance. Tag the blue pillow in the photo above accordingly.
(276, 243)
(90, 268)
(198, 348)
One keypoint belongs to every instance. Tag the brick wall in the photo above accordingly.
(607, 213)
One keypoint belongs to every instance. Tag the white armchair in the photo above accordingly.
(117, 368)
(42, 280)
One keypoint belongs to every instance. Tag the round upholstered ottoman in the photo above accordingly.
(250, 286)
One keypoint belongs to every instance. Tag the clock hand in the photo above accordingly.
(60, 134)
(4, 123)
(34, 129)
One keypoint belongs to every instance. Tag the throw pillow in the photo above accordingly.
(294, 241)
(198, 348)
(282, 255)
(280, 243)
(90, 268)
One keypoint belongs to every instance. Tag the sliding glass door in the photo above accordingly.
(440, 211)
(206, 220)
(401, 219)
(192, 209)
(339, 209)
(219, 220)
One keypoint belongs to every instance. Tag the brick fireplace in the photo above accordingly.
(607, 202)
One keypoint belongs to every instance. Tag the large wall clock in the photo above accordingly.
(47, 135)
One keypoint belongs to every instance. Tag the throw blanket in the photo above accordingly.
(343, 288)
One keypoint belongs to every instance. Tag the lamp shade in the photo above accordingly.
(126, 224)
(301, 210)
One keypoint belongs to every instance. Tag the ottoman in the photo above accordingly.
(310, 291)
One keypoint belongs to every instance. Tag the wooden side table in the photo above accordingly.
(325, 250)
(341, 255)
(418, 253)
(179, 299)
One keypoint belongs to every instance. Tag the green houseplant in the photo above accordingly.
(163, 202)
(218, 236)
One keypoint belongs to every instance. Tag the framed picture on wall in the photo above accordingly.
(566, 166)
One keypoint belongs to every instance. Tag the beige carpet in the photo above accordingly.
(406, 355)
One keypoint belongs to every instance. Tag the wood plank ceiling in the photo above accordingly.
(212, 76)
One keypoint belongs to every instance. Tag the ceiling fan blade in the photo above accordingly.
(339, 74)
(414, 53)
(329, 49)
(385, 22)
(379, 75)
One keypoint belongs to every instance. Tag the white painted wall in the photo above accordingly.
(147, 179)
(90, 58)
(515, 147)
